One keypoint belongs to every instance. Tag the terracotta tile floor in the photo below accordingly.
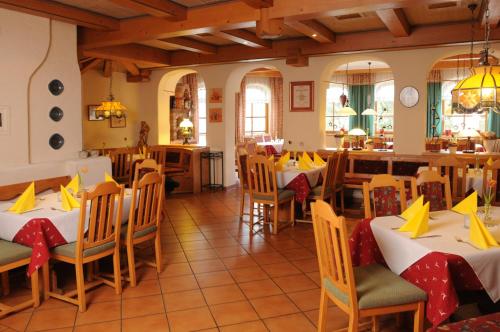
(216, 277)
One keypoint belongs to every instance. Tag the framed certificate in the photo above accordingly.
(302, 96)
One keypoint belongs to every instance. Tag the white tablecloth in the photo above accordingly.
(91, 169)
(65, 222)
(289, 173)
(400, 252)
(474, 179)
(278, 145)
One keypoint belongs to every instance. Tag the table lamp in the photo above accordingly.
(187, 129)
(357, 132)
(469, 133)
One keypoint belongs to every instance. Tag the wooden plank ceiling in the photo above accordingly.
(141, 35)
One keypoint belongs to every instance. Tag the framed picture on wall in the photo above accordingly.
(215, 115)
(302, 96)
(215, 96)
(117, 122)
(92, 114)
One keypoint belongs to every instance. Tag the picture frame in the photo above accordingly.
(92, 113)
(302, 96)
(116, 122)
(215, 115)
(215, 96)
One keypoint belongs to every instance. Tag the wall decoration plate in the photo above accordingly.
(56, 87)
(56, 113)
(409, 96)
(56, 141)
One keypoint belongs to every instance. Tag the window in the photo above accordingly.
(258, 97)
(202, 114)
(334, 122)
(384, 106)
(454, 123)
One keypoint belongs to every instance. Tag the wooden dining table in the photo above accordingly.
(442, 261)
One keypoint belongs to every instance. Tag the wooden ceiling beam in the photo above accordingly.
(85, 67)
(60, 12)
(158, 8)
(107, 70)
(191, 45)
(313, 29)
(131, 67)
(244, 37)
(257, 4)
(395, 20)
(268, 27)
(421, 37)
(139, 54)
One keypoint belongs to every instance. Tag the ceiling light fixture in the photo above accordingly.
(314, 35)
(111, 107)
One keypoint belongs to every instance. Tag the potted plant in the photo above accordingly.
(452, 145)
(489, 140)
(339, 139)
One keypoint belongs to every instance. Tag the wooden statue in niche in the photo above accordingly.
(181, 110)
(143, 135)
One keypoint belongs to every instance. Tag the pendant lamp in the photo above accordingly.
(111, 107)
(369, 110)
(346, 110)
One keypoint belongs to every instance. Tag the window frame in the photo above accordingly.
(249, 109)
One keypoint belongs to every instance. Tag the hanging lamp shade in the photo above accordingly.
(111, 108)
(369, 111)
(347, 111)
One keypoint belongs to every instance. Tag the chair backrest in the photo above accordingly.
(343, 159)
(121, 159)
(329, 175)
(156, 152)
(382, 201)
(429, 178)
(251, 147)
(147, 195)
(241, 159)
(262, 177)
(146, 166)
(334, 256)
(104, 222)
(493, 170)
(11, 191)
(452, 167)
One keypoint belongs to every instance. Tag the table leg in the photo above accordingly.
(5, 283)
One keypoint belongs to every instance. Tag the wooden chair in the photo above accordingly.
(493, 169)
(144, 221)
(13, 255)
(327, 188)
(367, 291)
(146, 166)
(343, 159)
(430, 184)
(452, 167)
(264, 190)
(384, 186)
(251, 147)
(121, 163)
(241, 159)
(102, 239)
(156, 152)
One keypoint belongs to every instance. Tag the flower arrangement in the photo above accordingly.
(488, 196)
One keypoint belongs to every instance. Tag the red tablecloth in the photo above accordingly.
(439, 274)
(41, 235)
(487, 323)
(300, 184)
(270, 150)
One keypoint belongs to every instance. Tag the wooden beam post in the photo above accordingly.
(158, 8)
(257, 4)
(85, 67)
(395, 20)
(295, 58)
(148, 56)
(190, 45)
(313, 29)
(269, 28)
(131, 68)
(142, 76)
(244, 37)
(108, 68)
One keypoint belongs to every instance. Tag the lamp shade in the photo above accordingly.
(346, 111)
(186, 123)
(369, 111)
(357, 132)
(469, 133)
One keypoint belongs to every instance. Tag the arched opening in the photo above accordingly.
(367, 88)
(259, 105)
(444, 120)
(181, 95)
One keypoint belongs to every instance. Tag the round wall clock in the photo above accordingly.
(408, 96)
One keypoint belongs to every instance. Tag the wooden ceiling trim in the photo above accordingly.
(90, 65)
(107, 70)
(190, 45)
(395, 20)
(131, 67)
(257, 4)
(244, 37)
(422, 36)
(313, 29)
(138, 54)
(61, 12)
(158, 8)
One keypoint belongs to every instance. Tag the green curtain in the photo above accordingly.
(434, 99)
(494, 122)
(359, 96)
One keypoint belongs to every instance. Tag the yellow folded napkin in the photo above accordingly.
(307, 159)
(304, 165)
(468, 205)
(74, 184)
(318, 161)
(109, 178)
(284, 159)
(68, 201)
(489, 162)
(26, 201)
(479, 235)
(271, 158)
(419, 223)
(413, 209)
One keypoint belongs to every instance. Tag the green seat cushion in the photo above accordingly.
(282, 195)
(377, 286)
(316, 191)
(12, 252)
(69, 249)
(138, 234)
